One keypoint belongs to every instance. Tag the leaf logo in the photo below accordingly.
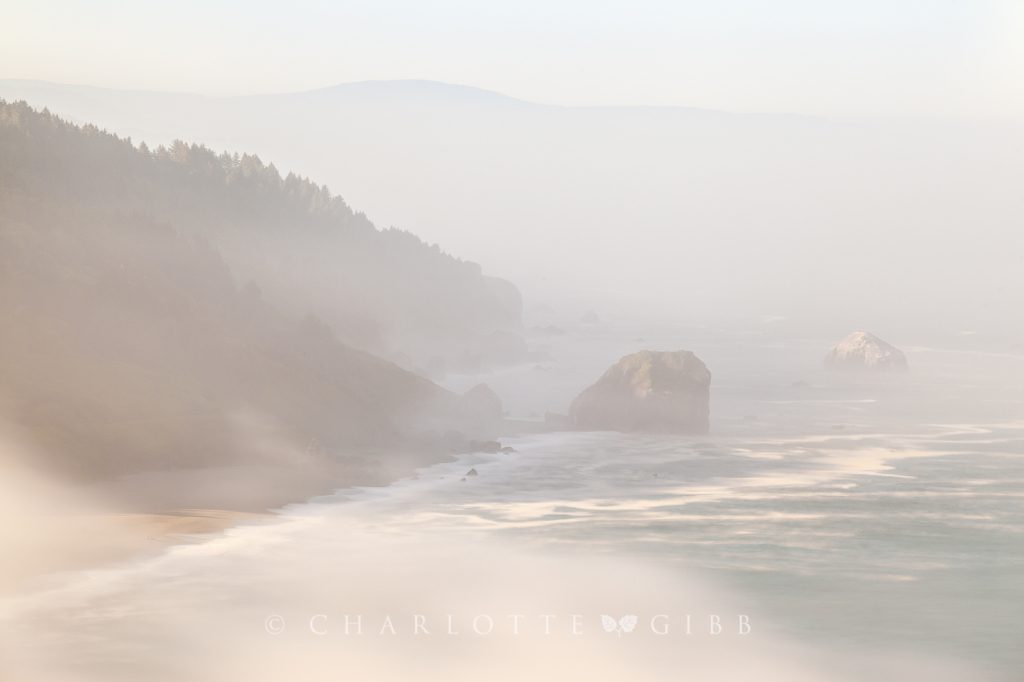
(626, 624)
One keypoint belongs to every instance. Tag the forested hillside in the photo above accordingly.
(305, 249)
(127, 343)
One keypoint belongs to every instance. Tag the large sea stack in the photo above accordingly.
(861, 350)
(660, 391)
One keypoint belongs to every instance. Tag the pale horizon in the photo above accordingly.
(906, 59)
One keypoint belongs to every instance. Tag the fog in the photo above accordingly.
(902, 225)
(433, 601)
(235, 406)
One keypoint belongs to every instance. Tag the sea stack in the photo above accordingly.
(659, 391)
(861, 350)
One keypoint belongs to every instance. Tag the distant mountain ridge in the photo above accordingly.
(408, 90)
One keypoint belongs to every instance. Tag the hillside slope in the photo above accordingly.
(126, 344)
(384, 291)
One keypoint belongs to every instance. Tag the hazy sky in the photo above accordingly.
(869, 57)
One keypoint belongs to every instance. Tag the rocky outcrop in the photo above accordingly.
(481, 413)
(861, 350)
(482, 402)
(657, 391)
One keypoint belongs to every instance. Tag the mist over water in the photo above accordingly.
(865, 527)
(300, 386)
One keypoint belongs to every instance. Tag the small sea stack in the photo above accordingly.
(865, 351)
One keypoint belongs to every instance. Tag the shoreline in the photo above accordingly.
(60, 527)
(103, 524)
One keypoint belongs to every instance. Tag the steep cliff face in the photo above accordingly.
(861, 350)
(648, 391)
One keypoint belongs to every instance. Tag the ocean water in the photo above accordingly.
(910, 541)
(863, 526)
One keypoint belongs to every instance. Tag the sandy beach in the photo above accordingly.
(53, 527)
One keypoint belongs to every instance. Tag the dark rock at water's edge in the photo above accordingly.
(660, 391)
(861, 350)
